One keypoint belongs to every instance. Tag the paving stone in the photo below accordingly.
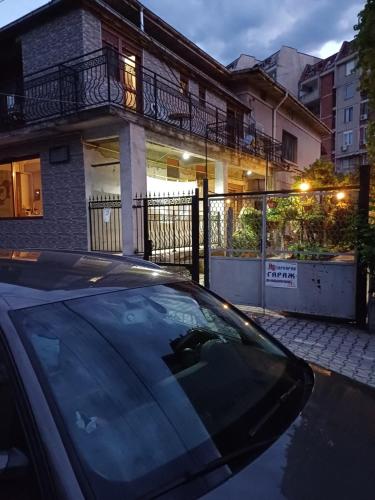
(342, 348)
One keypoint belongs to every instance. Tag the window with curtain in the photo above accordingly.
(21, 189)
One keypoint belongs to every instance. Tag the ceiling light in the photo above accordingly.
(186, 155)
(248, 173)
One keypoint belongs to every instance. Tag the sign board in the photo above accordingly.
(281, 274)
(107, 215)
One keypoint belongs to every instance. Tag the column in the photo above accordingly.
(133, 180)
(221, 177)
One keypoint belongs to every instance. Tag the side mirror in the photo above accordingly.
(14, 464)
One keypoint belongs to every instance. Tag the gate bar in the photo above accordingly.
(195, 236)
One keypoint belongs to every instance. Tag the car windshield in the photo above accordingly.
(152, 383)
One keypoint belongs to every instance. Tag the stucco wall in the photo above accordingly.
(309, 144)
(64, 224)
(64, 37)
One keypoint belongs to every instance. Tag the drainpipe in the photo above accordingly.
(274, 116)
(142, 19)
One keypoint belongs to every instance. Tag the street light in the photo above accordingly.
(340, 195)
(304, 186)
(186, 155)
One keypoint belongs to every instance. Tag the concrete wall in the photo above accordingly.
(290, 65)
(324, 288)
(64, 224)
(101, 181)
(64, 37)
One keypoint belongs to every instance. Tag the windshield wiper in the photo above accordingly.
(226, 459)
(210, 467)
(280, 400)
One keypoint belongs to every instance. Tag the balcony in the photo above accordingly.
(104, 78)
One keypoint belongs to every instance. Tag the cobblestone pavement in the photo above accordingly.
(339, 347)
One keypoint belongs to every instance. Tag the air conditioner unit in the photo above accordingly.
(364, 116)
(344, 148)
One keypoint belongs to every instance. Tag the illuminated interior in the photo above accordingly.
(174, 171)
(21, 189)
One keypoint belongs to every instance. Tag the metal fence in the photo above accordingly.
(105, 224)
(104, 77)
(318, 225)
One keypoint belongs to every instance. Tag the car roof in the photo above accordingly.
(30, 278)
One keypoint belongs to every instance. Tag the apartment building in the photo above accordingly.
(284, 66)
(330, 89)
(103, 98)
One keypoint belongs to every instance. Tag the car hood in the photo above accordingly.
(328, 452)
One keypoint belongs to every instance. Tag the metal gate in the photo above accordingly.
(168, 231)
(287, 251)
(105, 224)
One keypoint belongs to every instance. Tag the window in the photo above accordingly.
(363, 136)
(130, 80)
(350, 67)
(289, 147)
(346, 164)
(347, 138)
(202, 96)
(349, 91)
(184, 85)
(348, 114)
(21, 189)
(364, 110)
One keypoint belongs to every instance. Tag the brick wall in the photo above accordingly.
(70, 35)
(160, 67)
(64, 224)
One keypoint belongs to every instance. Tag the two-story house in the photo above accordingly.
(103, 98)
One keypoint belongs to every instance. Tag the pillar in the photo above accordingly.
(133, 180)
(221, 177)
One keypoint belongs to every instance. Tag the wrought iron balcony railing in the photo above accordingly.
(105, 77)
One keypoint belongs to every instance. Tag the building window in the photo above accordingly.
(347, 164)
(364, 111)
(350, 67)
(289, 147)
(349, 91)
(184, 85)
(21, 189)
(202, 96)
(348, 114)
(347, 138)
(363, 136)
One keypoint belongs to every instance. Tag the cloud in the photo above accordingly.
(227, 28)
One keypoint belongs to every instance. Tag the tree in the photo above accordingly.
(322, 174)
(365, 44)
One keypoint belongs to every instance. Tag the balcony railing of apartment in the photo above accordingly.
(105, 77)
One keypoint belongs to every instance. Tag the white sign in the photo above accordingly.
(281, 274)
(107, 215)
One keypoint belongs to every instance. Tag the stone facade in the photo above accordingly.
(71, 35)
(64, 224)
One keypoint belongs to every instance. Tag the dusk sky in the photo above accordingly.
(226, 29)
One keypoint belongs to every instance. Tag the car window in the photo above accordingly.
(151, 382)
